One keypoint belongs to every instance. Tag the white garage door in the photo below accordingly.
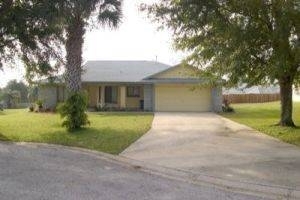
(182, 98)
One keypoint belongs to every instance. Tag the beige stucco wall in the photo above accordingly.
(134, 102)
(177, 72)
(93, 91)
(182, 97)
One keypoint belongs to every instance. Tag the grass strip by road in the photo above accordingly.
(264, 116)
(108, 132)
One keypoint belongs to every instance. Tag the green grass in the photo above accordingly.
(109, 132)
(264, 116)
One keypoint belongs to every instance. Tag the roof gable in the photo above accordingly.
(177, 72)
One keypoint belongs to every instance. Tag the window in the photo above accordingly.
(133, 91)
(111, 94)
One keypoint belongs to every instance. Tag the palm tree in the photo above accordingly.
(80, 14)
(77, 16)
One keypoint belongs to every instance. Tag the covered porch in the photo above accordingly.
(115, 96)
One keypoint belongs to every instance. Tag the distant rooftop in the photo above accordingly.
(273, 89)
(120, 71)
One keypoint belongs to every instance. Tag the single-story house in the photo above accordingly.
(140, 85)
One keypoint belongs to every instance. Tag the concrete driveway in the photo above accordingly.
(206, 143)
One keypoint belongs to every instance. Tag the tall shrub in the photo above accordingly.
(73, 111)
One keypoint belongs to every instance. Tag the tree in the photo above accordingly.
(77, 17)
(21, 87)
(253, 41)
(32, 94)
(30, 31)
(13, 93)
(1, 94)
(12, 98)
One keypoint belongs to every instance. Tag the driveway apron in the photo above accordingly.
(207, 143)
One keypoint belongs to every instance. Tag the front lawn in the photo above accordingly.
(263, 116)
(109, 132)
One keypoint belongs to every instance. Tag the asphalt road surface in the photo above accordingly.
(38, 172)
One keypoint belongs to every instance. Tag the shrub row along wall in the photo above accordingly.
(251, 98)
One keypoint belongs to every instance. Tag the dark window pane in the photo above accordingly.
(111, 94)
(107, 94)
(133, 91)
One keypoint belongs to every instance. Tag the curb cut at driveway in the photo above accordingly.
(261, 190)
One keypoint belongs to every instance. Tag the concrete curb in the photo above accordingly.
(261, 190)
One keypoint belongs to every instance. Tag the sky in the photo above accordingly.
(137, 38)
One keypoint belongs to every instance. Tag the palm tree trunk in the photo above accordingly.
(74, 43)
(74, 109)
(286, 93)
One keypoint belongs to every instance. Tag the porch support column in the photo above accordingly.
(102, 96)
(97, 95)
(123, 96)
(149, 97)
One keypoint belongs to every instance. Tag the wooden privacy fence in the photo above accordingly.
(251, 98)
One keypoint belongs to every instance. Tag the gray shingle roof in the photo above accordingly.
(120, 71)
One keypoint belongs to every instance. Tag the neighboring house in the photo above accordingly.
(273, 89)
(51, 92)
(140, 85)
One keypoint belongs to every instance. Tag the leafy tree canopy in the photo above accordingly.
(252, 41)
(91, 12)
(9, 97)
(35, 30)
(30, 30)
(21, 87)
